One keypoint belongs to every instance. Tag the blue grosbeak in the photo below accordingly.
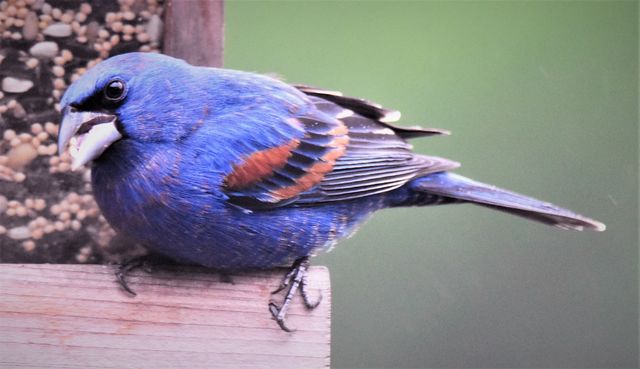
(235, 170)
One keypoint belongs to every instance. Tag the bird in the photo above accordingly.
(234, 170)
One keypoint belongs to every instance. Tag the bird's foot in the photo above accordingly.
(295, 279)
(145, 262)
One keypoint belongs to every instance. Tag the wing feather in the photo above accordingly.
(349, 150)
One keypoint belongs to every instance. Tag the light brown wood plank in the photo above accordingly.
(77, 316)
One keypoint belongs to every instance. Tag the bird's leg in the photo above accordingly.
(287, 277)
(295, 279)
(146, 262)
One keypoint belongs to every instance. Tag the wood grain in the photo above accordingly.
(194, 31)
(76, 316)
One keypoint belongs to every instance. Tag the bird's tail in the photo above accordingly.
(453, 186)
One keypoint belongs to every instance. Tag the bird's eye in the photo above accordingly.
(114, 91)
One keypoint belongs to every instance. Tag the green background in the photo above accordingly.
(542, 99)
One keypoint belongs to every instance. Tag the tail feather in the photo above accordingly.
(458, 187)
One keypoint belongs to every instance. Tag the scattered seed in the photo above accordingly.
(44, 49)
(51, 128)
(29, 245)
(58, 30)
(67, 55)
(81, 17)
(37, 234)
(9, 134)
(76, 225)
(85, 8)
(19, 177)
(16, 85)
(143, 37)
(39, 204)
(19, 233)
(21, 211)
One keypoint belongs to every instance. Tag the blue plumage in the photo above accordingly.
(236, 170)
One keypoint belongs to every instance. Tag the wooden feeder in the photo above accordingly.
(76, 316)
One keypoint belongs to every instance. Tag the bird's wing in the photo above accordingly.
(349, 150)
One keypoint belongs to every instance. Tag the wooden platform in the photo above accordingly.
(76, 316)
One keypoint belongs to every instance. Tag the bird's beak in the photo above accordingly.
(88, 133)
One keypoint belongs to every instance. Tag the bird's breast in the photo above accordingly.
(140, 191)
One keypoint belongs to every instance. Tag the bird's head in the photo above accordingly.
(130, 97)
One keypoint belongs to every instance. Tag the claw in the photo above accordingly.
(305, 295)
(120, 276)
(143, 261)
(295, 279)
(278, 315)
(125, 268)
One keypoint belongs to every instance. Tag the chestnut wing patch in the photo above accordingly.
(277, 176)
(260, 165)
(349, 150)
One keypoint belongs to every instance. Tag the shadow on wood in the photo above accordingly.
(76, 316)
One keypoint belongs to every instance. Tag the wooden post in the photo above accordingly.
(194, 31)
(76, 316)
